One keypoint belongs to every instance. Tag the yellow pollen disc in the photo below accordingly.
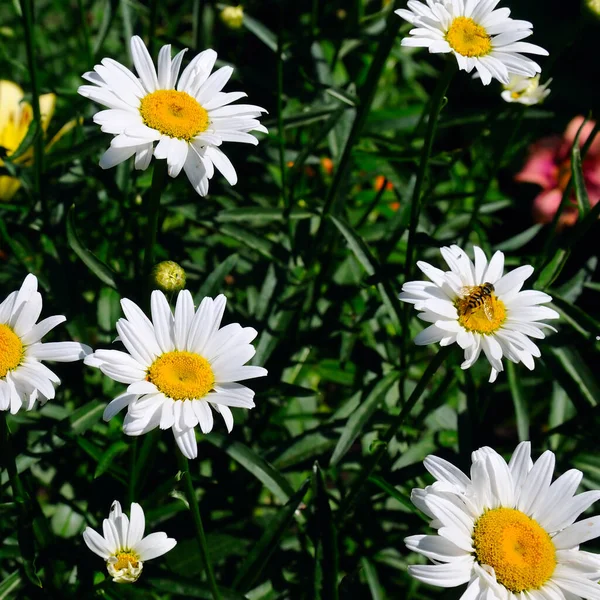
(182, 375)
(485, 318)
(520, 551)
(11, 350)
(124, 559)
(174, 113)
(467, 38)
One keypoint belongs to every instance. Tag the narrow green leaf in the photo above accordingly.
(370, 572)
(253, 566)
(262, 245)
(86, 416)
(581, 321)
(520, 402)
(394, 493)
(518, 241)
(573, 374)
(326, 550)
(360, 417)
(97, 454)
(270, 477)
(108, 457)
(552, 269)
(305, 448)
(583, 200)
(9, 584)
(214, 282)
(263, 33)
(260, 214)
(190, 589)
(95, 265)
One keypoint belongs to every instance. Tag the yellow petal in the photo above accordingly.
(47, 104)
(10, 98)
(8, 187)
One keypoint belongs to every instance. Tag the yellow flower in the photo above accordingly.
(233, 16)
(15, 118)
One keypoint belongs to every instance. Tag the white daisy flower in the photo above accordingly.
(178, 366)
(479, 308)
(188, 116)
(124, 547)
(480, 37)
(24, 379)
(526, 90)
(507, 531)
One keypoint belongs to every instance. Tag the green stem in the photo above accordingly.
(159, 177)
(131, 490)
(437, 101)
(183, 465)
(397, 422)
(153, 26)
(38, 157)
(366, 96)
(499, 158)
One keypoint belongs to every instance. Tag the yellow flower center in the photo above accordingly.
(11, 350)
(485, 318)
(520, 551)
(125, 559)
(182, 375)
(174, 113)
(467, 38)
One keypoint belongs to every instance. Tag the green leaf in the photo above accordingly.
(369, 264)
(9, 584)
(190, 589)
(578, 319)
(370, 572)
(308, 447)
(86, 416)
(268, 475)
(360, 417)
(581, 194)
(552, 269)
(252, 567)
(326, 547)
(263, 33)
(521, 239)
(520, 402)
(394, 493)
(95, 265)
(214, 282)
(259, 213)
(108, 457)
(260, 244)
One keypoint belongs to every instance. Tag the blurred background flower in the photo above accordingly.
(549, 166)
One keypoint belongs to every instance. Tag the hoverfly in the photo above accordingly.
(471, 297)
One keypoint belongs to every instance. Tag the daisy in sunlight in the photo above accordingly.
(507, 531)
(480, 309)
(179, 367)
(480, 36)
(24, 380)
(124, 547)
(187, 115)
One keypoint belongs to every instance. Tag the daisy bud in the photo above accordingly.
(168, 276)
(233, 16)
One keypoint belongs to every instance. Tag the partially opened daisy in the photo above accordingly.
(479, 36)
(479, 308)
(507, 531)
(188, 115)
(124, 547)
(24, 379)
(526, 90)
(179, 367)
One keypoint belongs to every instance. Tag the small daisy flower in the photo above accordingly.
(189, 116)
(507, 531)
(124, 547)
(24, 379)
(526, 90)
(480, 37)
(479, 308)
(179, 366)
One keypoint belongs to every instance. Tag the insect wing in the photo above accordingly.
(488, 308)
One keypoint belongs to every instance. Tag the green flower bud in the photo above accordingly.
(168, 276)
(233, 16)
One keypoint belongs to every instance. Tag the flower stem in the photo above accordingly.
(38, 157)
(183, 465)
(437, 101)
(159, 177)
(395, 425)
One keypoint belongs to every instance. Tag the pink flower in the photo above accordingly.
(549, 166)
